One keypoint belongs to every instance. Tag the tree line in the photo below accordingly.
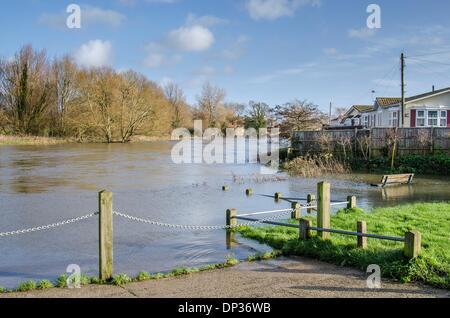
(57, 98)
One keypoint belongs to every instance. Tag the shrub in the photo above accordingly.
(143, 276)
(315, 166)
(44, 284)
(121, 279)
(27, 286)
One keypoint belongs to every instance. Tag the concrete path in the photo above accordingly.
(284, 277)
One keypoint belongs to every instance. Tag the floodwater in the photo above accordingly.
(47, 184)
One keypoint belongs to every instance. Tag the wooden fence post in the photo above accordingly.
(310, 200)
(323, 208)
(413, 244)
(231, 217)
(105, 235)
(361, 227)
(305, 229)
(297, 212)
(278, 196)
(351, 202)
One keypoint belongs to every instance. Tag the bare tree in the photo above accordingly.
(177, 100)
(135, 107)
(25, 90)
(299, 115)
(210, 100)
(64, 83)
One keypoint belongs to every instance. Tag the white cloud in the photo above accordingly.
(90, 15)
(274, 9)
(206, 20)
(191, 38)
(362, 33)
(95, 53)
(237, 49)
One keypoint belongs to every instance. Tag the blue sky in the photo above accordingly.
(264, 50)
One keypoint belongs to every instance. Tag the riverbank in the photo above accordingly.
(431, 219)
(7, 140)
(284, 277)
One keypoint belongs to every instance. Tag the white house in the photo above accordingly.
(430, 109)
(352, 118)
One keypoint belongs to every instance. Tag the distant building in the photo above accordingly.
(431, 109)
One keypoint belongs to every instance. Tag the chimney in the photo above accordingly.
(433, 88)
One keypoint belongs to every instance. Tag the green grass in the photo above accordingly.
(27, 286)
(431, 219)
(44, 284)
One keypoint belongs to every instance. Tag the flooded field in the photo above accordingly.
(42, 185)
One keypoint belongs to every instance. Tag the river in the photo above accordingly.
(46, 184)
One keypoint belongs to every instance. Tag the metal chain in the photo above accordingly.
(49, 226)
(198, 227)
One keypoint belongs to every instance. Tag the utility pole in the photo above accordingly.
(331, 108)
(402, 61)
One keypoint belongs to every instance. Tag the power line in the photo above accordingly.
(429, 54)
(429, 61)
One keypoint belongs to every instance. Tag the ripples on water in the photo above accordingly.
(41, 185)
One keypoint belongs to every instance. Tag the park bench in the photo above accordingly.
(395, 179)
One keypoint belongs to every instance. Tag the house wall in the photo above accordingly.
(441, 102)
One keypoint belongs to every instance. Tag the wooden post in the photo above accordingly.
(297, 212)
(231, 217)
(278, 196)
(105, 235)
(351, 202)
(249, 192)
(323, 208)
(310, 200)
(305, 232)
(361, 227)
(230, 239)
(413, 244)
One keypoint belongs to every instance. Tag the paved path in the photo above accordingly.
(284, 277)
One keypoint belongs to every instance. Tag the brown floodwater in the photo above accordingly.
(45, 184)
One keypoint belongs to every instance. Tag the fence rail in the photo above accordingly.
(375, 140)
(411, 240)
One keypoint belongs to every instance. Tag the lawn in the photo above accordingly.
(431, 219)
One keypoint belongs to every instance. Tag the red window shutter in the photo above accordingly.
(448, 118)
(413, 118)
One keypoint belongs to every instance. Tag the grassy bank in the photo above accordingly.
(432, 219)
(30, 140)
(123, 279)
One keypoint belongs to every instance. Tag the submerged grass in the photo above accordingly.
(315, 166)
(431, 219)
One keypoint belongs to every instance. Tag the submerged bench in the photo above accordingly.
(395, 179)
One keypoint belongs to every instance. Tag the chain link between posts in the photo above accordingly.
(201, 227)
(281, 215)
(49, 226)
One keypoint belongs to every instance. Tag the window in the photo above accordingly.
(393, 119)
(366, 121)
(433, 116)
(420, 122)
(444, 118)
